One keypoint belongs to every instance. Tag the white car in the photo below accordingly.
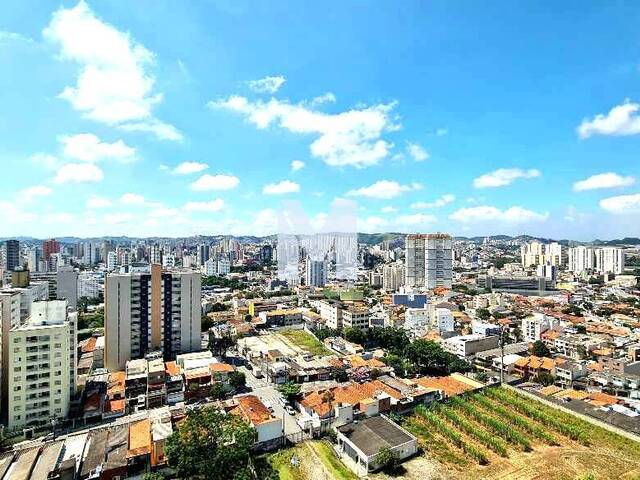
(290, 410)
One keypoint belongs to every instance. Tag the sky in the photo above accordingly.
(170, 118)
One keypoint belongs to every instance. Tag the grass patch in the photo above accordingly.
(332, 463)
(306, 341)
(281, 463)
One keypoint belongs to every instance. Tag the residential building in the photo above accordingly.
(428, 260)
(355, 316)
(149, 311)
(316, 272)
(610, 260)
(49, 247)
(12, 255)
(581, 259)
(67, 285)
(43, 369)
(9, 318)
(465, 346)
(392, 277)
(534, 326)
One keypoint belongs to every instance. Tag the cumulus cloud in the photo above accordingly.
(89, 148)
(114, 84)
(187, 168)
(622, 204)
(439, 202)
(325, 98)
(211, 206)
(621, 120)
(267, 84)
(281, 188)
(209, 182)
(503, 177)
(96, 202)
(350, 138)
(485, 213)
(34, 191)
(371, 224)
(416, 152)
(383, 189)
(132, 199)
(297, 165)
(79, 173)
(603, 180)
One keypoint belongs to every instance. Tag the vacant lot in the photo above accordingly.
(501, 434)
(312, 460)
(305, 341)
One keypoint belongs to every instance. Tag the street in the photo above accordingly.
(269, 394)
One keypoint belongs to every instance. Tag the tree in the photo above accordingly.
(572, 309)
(153, 476)
(581, 329)
(355, 335)
(217, 391)
(544, 378)
(338, 374)
(209, 445)
(483, 314)
(219, 307)
(206, 322)
(386, 459)
(429, 358)
(220, 345)
(539, 349)
(237, 380)
(289, 391)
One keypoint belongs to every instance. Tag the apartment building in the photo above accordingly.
(355, 316)
(601, 260)
(534, 326)
(428, 260)
(151, 310)
(392, 277)
(42, 368)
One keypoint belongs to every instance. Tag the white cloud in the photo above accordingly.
(297, 165)
(46, 161)
(371, 224)
(622, 204)
(325, 98)
(621, 120)
(603, 180)
(132, 199)
(79, 173)
(280, 188)
(267, 84)
(118, 218)
(209, 182)
(186, 168)
(35, 191)
(348, 138)
(440, 202)
(6, 36)
(416, 219)
(503, 177)
(384, 189)
(416, 152)
(388, 209)
(95, 202)
(265, 222)
(88, 148)
(485, 213)
(211, 206)
(114, 85)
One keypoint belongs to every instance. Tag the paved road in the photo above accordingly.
(266, 392)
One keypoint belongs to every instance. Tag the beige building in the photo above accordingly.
(42, 365)
(151, 311)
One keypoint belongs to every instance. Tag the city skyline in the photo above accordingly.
(477, 121)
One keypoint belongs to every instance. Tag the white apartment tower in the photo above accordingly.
(610, 260)
(156, 311)
(315, 272)
(42, 371)
(392, 277)
(428, 260)
(581, 258)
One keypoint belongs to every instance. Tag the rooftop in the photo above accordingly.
(374, 433)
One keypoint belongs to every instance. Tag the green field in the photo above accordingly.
(502, 434)
(311, 460)
(305, 341)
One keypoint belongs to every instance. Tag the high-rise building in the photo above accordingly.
(43, 368)
(48, 247)
(202, 253)
(266, 254)
(33, 259)
(155, 254)
(392, 277)
(428, 260)
(151, 311)
(535, 253)
(9, 318)
(12, 255)
(112, 261)
(67, 285)
(316, 272)
(610, 260)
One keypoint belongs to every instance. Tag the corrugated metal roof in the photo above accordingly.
(47, 461)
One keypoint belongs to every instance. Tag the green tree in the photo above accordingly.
(581, 329)
(220, 345)
(539, 349)
(355, 335)
(483, 314)
(386, 459)
(430, 359)
(544, 378)
(237, 380)
(217, 391)
(153, 476)
(338, 374)
(209, 445)
(289, 391)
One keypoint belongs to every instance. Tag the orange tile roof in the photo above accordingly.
(197, 373)
(90, 345)
(252, 409)
(550, 390)
(139, 438)
(449, 385)
(595, 366)
(172, 369)
(357, 361)
(116, 383)
(221, 368)
(114, 406)
(352, 394)
(601, 399)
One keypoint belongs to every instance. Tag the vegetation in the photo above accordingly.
(306, 341)
(539, 349)
(290, 391)
(237, 380)
(355, 335)
(209, 445)
(428, 358)
(215, 281)
(483, 314)
(387, 460)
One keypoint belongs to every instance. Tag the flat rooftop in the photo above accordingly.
(374, 433)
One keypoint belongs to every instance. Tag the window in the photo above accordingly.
(17, 369)
(17, 388)
(16, 350)
(17, 340)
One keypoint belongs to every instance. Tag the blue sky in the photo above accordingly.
(162, 118)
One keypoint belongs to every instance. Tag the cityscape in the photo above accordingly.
(292, 241)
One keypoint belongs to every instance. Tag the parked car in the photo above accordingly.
(290, 410)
